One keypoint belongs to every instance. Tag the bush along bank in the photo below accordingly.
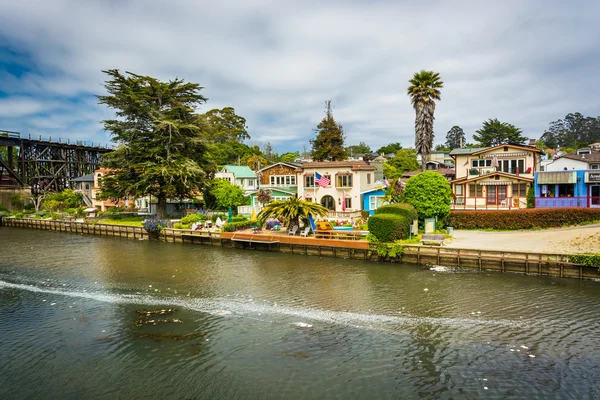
(522, 219)
(392, 222)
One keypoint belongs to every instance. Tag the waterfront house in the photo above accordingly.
(495, 177)
(341, 185)
(373, 199)
(279, 179)
(573, 180)
(240, 175)
(104, 205)
(84, 185)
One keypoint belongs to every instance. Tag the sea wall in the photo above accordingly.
(558, 265)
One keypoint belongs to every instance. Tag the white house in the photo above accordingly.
(241, 176)
(347, 179)
(586, 158)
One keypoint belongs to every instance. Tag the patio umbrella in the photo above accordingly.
(495, 163)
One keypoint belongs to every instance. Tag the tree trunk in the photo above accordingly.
(161, 208)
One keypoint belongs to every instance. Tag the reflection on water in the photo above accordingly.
(81, 316)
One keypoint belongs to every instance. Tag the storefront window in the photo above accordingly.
(566, 190)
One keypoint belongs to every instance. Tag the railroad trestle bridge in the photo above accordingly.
(47, 164)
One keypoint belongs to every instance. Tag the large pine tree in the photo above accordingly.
(160, 147)
(494, 133)
(329, 143)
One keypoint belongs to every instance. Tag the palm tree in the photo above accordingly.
(424, 89)
(292, 210)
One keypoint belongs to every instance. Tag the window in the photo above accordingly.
(459, 190)
(566, 190)
(475, 190)
(87, 186)
(283, 180)
(481, 163)
(368, 179)
(519, 190)
(510, 166)
(344, 181)
(595, 166)
(309, 181)
(348, 202)
(375, 202)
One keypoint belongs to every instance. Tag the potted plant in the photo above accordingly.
(154, 226)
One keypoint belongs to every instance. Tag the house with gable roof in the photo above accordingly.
(240, 175)
(347, 180)
(279, 179)
(496, 177)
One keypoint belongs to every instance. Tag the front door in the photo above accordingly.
(595, 193)
(328, 202)
(496, 194)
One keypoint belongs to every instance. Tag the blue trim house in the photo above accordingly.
(557, 189)
(372, 199)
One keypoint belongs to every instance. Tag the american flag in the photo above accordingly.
(321, 180)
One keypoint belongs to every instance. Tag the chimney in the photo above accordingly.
(532, 142)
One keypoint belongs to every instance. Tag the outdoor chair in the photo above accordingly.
(293, 230)
(305, 232)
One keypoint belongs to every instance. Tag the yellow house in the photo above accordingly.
(495, 177)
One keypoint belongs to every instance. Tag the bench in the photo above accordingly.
(433, 239)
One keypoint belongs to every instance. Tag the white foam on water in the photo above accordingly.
(229, 306)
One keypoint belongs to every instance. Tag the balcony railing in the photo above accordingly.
(567, 202)
(481, 203)
(344, 214)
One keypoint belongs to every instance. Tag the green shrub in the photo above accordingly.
(430, 194)
(589, 260)
(192, 218)
(3, 209)
(364, 214)
(29, 207)
(61, 201)
(239, 218)
(531, 197)
(522, 219)
(403, 209)
(236, 226)
(389, 227)
(178, 225)
(19, 215)
(16, 201)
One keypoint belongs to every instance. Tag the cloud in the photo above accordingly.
(527, 63)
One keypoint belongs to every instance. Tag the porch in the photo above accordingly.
(568, 202)
(484, 203)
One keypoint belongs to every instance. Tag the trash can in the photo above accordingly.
(450, 230)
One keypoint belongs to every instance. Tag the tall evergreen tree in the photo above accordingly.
(329, 143)
(424, 89)
(455, 138)
(495, 132)
(160, 150)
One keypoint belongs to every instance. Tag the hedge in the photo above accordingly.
(522, 219)
(236, 226)
(406, 210)
(389, 227)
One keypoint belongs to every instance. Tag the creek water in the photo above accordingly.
(257, 325)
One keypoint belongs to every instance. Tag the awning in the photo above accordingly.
(506, 155)
(556, 177)
(495, 183)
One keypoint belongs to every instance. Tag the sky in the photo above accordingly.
(277, 62)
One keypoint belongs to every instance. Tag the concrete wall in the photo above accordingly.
(6, 194)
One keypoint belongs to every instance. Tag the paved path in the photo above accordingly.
(581, 239)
